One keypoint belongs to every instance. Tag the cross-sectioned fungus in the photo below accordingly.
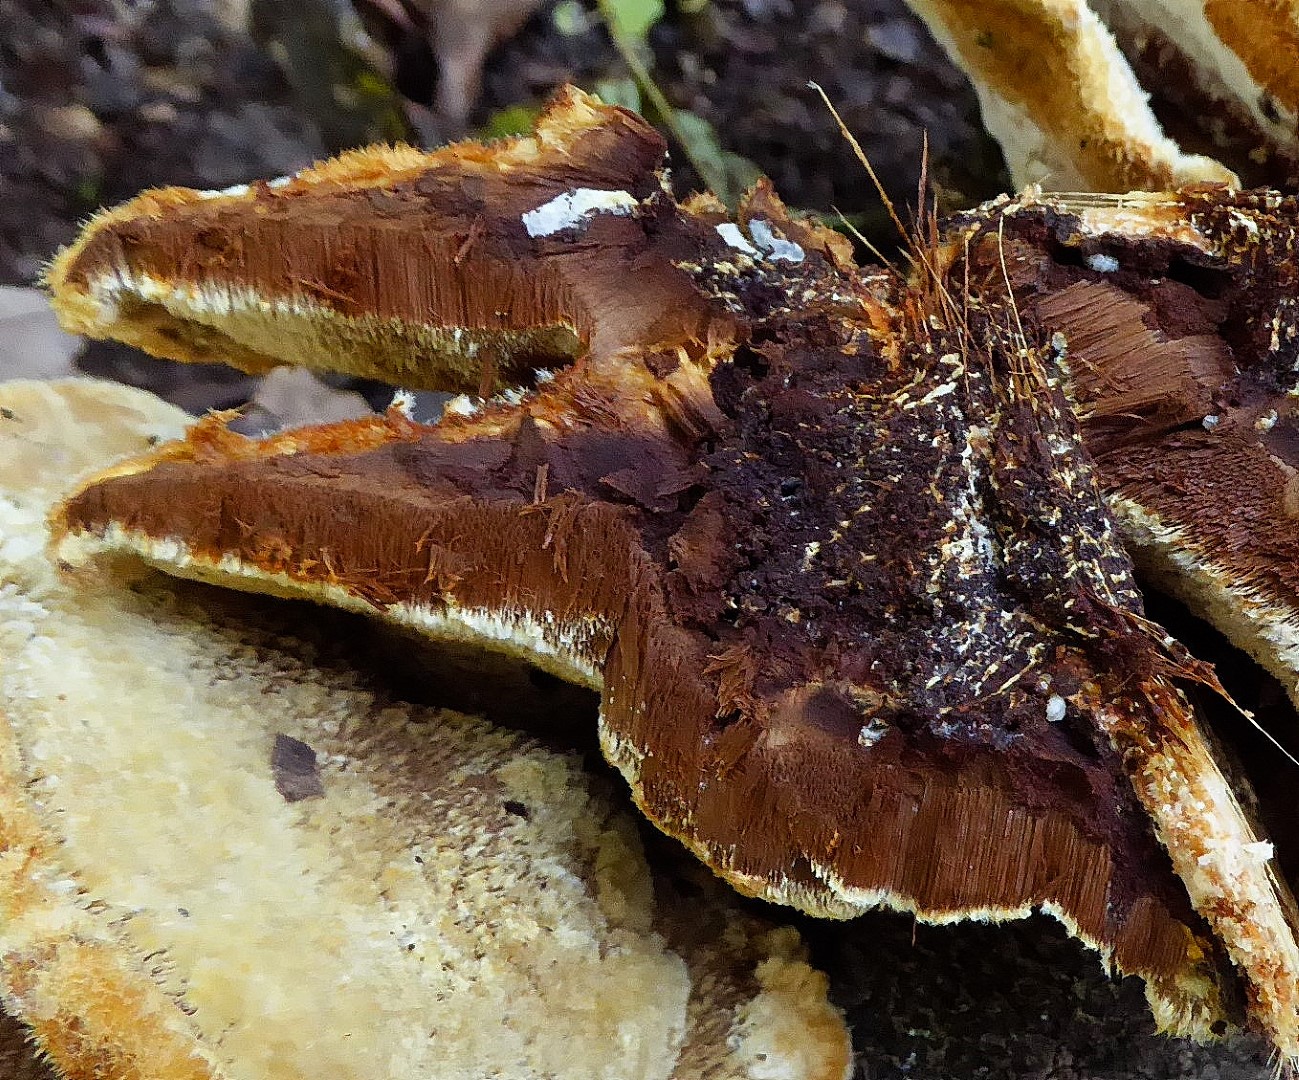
(846, 553)
(447, 899)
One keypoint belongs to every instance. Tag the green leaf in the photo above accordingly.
(88, 192)
(622, 92)
(570, 18)
(730, 175)
(512, 120)
(633, 18)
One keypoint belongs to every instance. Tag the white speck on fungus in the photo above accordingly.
(1102, 264)
(777, 247)
(574, 208)
(730, 232)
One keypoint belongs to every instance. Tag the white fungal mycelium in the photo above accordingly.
(1102, 264)
(766, 243)
(778, 249)
(730, 232)
(231, 192)
(573, 209)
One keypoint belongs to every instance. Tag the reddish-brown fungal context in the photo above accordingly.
(834, 546)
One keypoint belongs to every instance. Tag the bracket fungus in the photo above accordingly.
(226, 856)
(846, 553)
(1063, 86)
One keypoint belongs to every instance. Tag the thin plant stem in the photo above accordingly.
(715, 181)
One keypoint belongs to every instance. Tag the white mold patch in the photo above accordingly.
(231, 192)
(766, 243)
(777, 248)
(1102, 264)
(404, 402)
(871, 732)
(462, 405)
(573, 209)
(730, 232)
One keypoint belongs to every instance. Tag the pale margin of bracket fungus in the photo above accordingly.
(1057, 86)
(173, 904)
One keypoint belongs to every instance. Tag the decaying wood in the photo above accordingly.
(841, 550)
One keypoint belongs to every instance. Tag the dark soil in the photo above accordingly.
(745, 67)
(95, 107)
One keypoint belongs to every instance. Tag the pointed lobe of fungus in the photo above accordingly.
(465, 268)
